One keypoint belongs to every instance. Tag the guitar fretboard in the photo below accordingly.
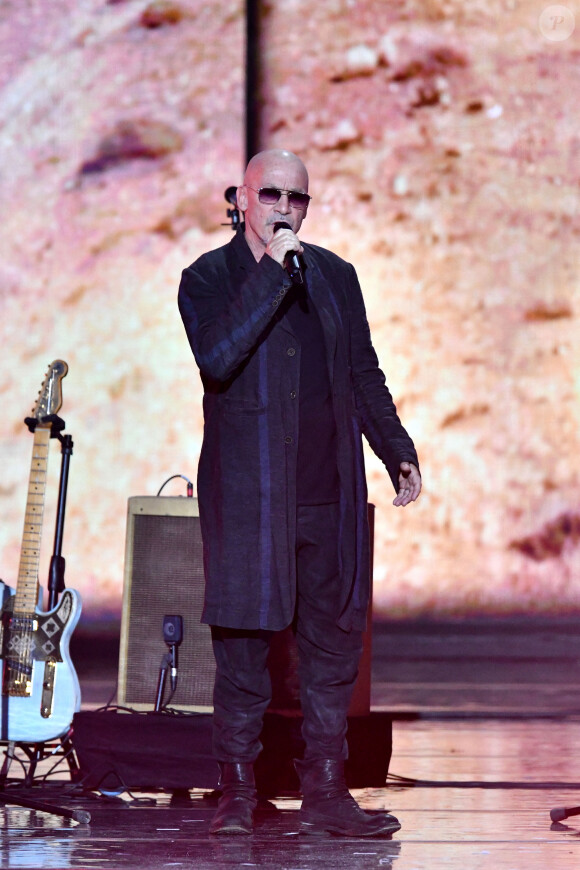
(26, 597)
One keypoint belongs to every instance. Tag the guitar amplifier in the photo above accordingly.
(164, 576)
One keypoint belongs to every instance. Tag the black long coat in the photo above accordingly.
(249, 360)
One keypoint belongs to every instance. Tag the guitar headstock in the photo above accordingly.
(50, 396)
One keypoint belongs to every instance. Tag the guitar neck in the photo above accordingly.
(26, 597)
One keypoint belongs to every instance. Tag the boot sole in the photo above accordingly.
(319, 829)
(231, 829)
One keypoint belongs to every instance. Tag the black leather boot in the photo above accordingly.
(236, 805)
(328, 806)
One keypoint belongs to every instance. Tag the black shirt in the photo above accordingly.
(317, 473)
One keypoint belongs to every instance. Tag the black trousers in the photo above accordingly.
(328, 656)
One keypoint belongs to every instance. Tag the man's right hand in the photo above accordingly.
(282, 242)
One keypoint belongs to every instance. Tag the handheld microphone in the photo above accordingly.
(292, 260)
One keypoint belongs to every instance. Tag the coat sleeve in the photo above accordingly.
(224, 321)
(378, 414)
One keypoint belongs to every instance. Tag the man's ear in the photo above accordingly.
(242, 197)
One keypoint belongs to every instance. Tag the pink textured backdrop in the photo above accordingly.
(442, 143)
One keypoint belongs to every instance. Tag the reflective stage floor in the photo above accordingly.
(486, 725)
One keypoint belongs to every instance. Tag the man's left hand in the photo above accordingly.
(409, 484)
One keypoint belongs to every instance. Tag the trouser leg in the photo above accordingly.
(242, 692)
(328, 656)
(329, 659)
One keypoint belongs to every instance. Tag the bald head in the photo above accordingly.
(276, 159)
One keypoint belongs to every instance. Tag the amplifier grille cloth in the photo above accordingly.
(167, 578)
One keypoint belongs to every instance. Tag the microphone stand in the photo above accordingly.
(172, 635)
(558, 814)
(232, 213)
(166, 663)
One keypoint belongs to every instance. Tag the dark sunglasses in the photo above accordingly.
(271, 195)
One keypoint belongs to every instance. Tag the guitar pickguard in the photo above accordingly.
(35, 635)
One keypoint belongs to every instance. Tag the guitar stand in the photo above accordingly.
(37, 752)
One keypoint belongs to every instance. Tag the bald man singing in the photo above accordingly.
(291, 382)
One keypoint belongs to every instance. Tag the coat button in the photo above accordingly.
(292, 394)
(289, 439)
(291, 351)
